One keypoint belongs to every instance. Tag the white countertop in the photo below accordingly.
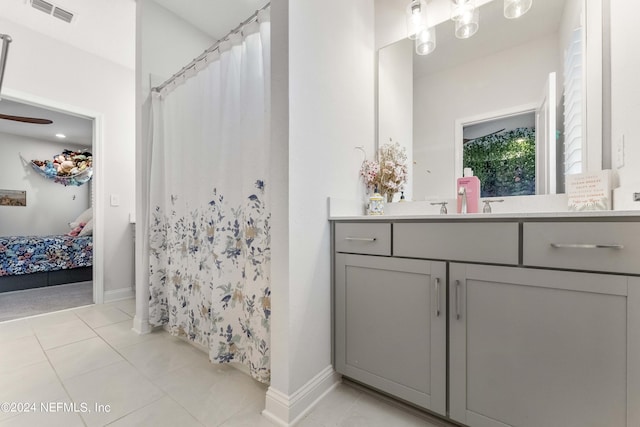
(502, 215)
(538, 207)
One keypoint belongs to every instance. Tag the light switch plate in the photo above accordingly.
(115, 200)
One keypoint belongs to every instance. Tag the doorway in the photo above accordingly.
(53, 210)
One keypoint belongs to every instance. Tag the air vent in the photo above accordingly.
(62, 14)
(42, 6)
(52, 10)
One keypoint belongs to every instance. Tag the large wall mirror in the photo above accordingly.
(520, 101)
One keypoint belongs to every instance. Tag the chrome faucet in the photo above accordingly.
(487, 205)
(462, 191)
(443, 207)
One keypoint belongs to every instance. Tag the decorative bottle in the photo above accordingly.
(376, 203)
(471, 185)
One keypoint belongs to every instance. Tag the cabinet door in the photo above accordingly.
(532, 348)
(391, 326)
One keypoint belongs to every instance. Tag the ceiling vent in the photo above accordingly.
(42, 6)
(65, 15)
(53, 10)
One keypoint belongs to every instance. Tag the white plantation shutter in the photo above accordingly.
(574, 153)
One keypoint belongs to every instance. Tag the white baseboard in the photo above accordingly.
(141, 326)
(287, 410)
(118, 294)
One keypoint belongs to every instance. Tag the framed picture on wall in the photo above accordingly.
(13, 198)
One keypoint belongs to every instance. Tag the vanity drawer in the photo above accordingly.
(361, 238)
(495, 243)
(590, 246)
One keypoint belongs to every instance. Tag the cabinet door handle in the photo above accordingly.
(585, 246)
(458, 299)
(361, 239)
(437, 297)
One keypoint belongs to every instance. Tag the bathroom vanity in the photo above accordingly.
(493, 320)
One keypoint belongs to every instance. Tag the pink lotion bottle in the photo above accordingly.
(471, 186)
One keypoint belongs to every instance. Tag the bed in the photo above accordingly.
(36, 261)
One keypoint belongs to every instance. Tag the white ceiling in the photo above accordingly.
(213, 17)
(78, 130)
(496, 33)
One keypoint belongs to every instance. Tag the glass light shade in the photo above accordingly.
(460, 8)
(516, 8)
(416, 18)
(426, 41)
(468, 24)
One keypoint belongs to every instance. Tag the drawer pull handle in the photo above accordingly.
(584, 246)
(437, 297)
(360, 239)
(458, 299)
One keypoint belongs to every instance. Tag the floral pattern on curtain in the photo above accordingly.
(209, 222)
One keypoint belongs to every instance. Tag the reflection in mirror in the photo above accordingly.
(504, 69)
(502, 154)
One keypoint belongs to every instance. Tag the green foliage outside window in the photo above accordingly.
(505, 163)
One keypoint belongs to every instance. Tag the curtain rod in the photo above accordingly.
(6, 39)
(213, 48)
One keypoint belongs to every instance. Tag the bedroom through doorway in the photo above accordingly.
(47, 194)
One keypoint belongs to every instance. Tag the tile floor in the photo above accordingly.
(87, 357)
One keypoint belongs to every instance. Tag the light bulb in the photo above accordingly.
(426, 41)
(460, 7)
(516, 8)
(416, 18)
(468, 24)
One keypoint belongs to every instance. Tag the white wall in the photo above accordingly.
(395, 101)
(479, 87)
(44, 68)
(50, 206)
(167, 43)
(331, 86)
(331, 110)
(625, 98)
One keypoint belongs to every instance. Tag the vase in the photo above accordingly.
(389, 197)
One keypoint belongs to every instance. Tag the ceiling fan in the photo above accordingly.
(6, 39)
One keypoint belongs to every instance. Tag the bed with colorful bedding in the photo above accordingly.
(36, 261)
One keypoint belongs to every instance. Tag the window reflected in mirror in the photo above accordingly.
(502, 154)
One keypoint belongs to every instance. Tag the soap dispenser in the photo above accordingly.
(468, 192)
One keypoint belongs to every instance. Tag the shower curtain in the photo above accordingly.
(209, 236)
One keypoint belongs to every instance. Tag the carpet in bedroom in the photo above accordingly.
(17, 304)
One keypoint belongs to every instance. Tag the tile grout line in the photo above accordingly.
(124, 359)
(64, 387)
(164, 393)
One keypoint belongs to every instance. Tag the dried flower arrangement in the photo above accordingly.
(389, 173)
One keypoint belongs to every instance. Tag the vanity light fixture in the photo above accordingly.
(468, 23)
(416, 15)
(426, 41)
(516, 8)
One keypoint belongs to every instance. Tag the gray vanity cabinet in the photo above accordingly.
(532, 347)
(390, 326)
(542, 327)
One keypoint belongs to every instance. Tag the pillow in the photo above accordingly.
(87, 230)
(76, 230)
(85, 217)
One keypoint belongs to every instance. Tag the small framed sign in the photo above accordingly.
(13, 198)
(589, 191)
